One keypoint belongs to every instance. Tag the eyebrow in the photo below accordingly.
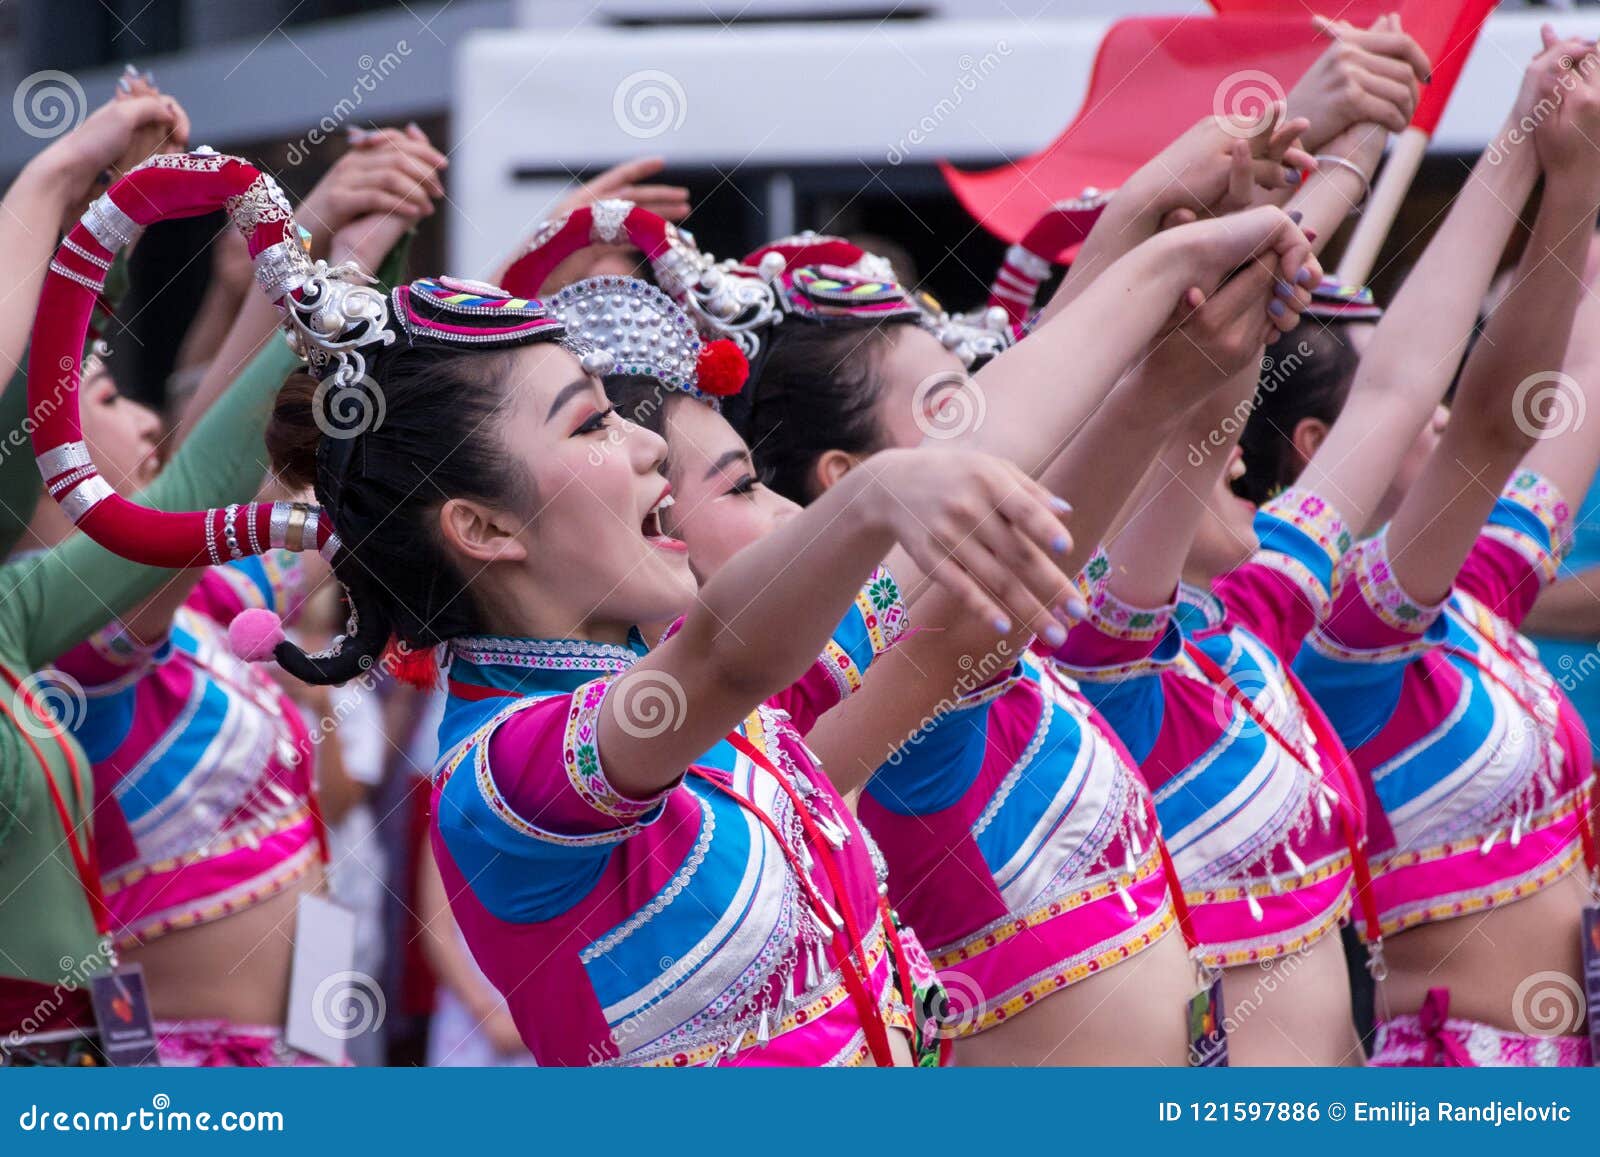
(568, 392)
(727, 460)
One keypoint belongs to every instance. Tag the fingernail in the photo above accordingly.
(1061, 544)
(124, 85)
(1292, 176)
(1055, 634)
(1295, 215)
(1002, 625)
(1275, 308)
(129, 70)
(149, 77)
(1303, 277)
(1077, 609)
(413, 125)
(1060, 505)
(1283, 288)
(1311, 234)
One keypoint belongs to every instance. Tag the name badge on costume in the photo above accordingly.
(1208, 1035)
(329, 1002)
(122, 1017)
(1591, 977)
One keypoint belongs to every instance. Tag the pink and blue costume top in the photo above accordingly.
(673, 930)
(1474, 762)
(203, 767)
(1259, 833)
(1020, 845)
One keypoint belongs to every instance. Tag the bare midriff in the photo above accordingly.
(1131, 1014)
(235, 969)
(1484, 958)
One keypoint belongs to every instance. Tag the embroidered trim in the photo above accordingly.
(883, 610)
(1014, 925)
(664, 898)
(1096, 959)
(1236, 952)
(1539, 496)
(1314, 517)
(1369, 565)
(544, 654)
(1121, 620)
(841, 669)
(1014, 775)
(581, 757)
(1466, 903)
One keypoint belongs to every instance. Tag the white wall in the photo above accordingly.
(846, 93)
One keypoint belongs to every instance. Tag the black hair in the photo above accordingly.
(381, 487)
(1306, 373)
(816, 389)
(640, 399)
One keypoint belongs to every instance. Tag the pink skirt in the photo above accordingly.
(213, 1044)
(1432, 1038)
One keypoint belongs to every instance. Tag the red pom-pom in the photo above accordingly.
(722, 369)
(413, 666)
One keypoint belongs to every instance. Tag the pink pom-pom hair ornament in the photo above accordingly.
(255, 634)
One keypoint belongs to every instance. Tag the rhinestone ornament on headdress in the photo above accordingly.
(645, 333)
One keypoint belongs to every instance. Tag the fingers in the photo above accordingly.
(1547, 34)
(1399, 94)
(618, 177)
(1242, 176)
(1370, 107)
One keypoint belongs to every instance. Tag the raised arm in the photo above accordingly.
(1497, 415)
(1409, 361)
(762, 620)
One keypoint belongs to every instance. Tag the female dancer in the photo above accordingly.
(1242, 640)
(1102, 897)
(1475, 765)
(207, 832)
(795, 439)
(557, 790)
(54, 911)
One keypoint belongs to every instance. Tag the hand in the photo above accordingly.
(231, 270)
(1547, 75)
(670, 202)
(1566, 137)
(1267, 234)
(385, 172)
(982, 528)
(624, 182)
(113, 139)
(1217, 166)
(1209, 343)
(1368, 75)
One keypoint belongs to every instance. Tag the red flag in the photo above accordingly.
(1446, 31)
(1152, 79)
(1155, 76)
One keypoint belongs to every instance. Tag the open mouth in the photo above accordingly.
(651, 527)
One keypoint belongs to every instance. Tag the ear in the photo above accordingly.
(480, 532)
(1307, 438)
(832, 466)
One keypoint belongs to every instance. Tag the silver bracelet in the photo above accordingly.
(1343, 163)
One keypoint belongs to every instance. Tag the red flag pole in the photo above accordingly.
(1383, 206)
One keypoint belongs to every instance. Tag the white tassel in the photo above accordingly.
(764, 1031)
(1127, 901)
(1516, 831)
(1489, 842)
(1255, 906)
(1296, 862)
